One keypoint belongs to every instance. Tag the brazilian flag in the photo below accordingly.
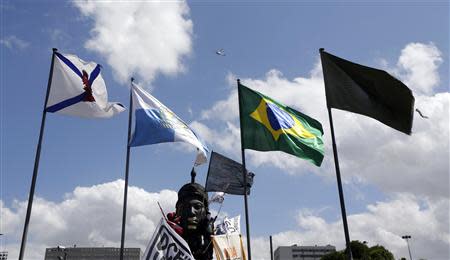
(267, 125)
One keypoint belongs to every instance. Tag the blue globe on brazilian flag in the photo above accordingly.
(267, 125)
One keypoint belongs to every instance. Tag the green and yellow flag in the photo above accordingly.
(267, 125)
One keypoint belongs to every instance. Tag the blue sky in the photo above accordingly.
(169, 48)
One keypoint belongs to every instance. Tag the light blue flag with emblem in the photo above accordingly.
(155, 123)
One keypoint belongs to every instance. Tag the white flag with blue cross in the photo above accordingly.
(78, 89)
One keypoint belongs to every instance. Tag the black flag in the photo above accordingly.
(225, 175)
(367, 91)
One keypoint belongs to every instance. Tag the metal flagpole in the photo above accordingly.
(341, 192)
(271, 248)
(246, 203)
(338, 173)
(244, 172)
(36, 161)
(125, 193)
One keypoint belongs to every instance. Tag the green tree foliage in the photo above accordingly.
(361, 251)
(380, 253)
(334, 256)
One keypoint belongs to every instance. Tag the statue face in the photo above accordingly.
(192, 212)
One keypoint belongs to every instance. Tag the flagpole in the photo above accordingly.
(271, 248)
(127, 166)
(338, 177)
(244, 172)
(36, 161)
(246, 203)
(341, 192)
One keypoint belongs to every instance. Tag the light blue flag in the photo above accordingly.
(155, 123)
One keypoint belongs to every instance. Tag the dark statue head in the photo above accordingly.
(192, 208)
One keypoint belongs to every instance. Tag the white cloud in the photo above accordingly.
(89, 216)
(418, 66)
(383, 223)
(12, 42)
(140, 38)
(368, 150)
(58, 36)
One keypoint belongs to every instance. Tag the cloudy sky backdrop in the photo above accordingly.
(394, 184)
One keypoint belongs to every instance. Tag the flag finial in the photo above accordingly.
(54, 49)
(193, 174)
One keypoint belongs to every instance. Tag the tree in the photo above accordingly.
(361, 251)
(380, 253)
(334, 256)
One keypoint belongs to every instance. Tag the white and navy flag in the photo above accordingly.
(217, 197)
(229, 226)
(155, 123)
(78, 89)
(166, 244)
